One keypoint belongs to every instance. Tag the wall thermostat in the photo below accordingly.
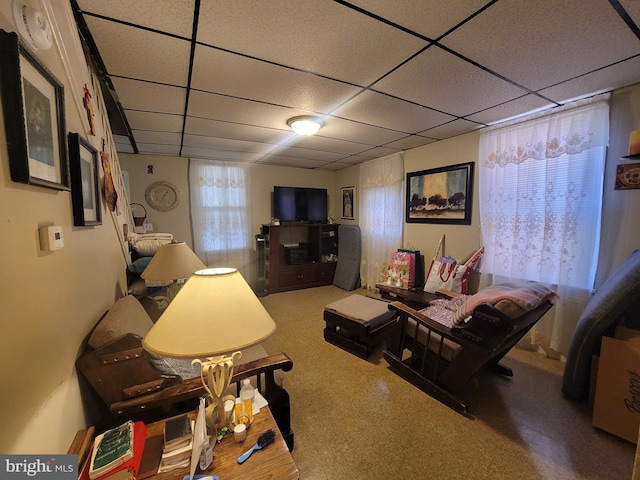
(51, 238)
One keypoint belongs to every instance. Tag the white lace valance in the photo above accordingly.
(567, 130)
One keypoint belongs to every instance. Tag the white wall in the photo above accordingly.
(49, 301)
(263, 179)
(170, 169)
(460, 240)
(620, 225)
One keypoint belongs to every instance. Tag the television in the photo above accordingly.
(300, 204)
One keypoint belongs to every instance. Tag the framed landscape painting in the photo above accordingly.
(441, 195)
(33, 117)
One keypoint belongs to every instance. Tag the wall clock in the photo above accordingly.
(162, 196)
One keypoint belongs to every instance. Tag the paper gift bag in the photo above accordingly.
(407, 261)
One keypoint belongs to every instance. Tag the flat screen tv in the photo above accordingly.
(300, 204)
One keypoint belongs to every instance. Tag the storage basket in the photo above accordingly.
(138, 220)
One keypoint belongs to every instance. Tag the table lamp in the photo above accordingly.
(172, 262)
(215, 313)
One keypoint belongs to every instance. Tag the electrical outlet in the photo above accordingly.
(148, 227)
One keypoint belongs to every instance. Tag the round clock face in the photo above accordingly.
(162, 196)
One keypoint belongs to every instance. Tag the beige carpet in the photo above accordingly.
(356, 419)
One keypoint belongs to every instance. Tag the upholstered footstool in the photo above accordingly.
(357, 323)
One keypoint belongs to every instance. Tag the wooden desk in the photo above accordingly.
(273, 461)
(416, 300)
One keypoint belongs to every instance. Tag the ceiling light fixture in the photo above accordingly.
(305, 124)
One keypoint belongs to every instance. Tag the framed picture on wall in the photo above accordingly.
(85, 197)
(348, 203)
(440, 195)
(34, 117)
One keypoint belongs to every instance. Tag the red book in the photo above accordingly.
(139, 438)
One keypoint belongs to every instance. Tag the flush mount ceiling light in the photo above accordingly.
(33, 26)
(305, 124)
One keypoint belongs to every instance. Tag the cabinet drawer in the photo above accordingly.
(291, 276)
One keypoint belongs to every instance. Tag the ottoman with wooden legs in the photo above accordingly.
(357, 323)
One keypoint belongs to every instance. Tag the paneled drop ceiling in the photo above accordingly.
(218, 79)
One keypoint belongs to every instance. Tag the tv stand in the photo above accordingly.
(299, 255)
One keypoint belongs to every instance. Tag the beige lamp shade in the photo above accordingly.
(172, 261)
(216, 312)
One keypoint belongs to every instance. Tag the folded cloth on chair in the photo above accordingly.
(526, 295)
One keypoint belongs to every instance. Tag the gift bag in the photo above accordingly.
(447, 274)
(406, 262)
(394, 275)
(416, 263)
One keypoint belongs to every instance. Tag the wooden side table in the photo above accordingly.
(273, 461)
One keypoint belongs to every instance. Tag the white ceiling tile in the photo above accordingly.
(291, 161)
(306, 153)
(632, 7)
(451, 129)
(374, 108)
(318, 37)
(235, 110)
(332, 145)
(517, 107)
(378, 152)
(135, 53)
(227, 144)
(253, 72)
(149, 97)
(235, 131)
(124, 148)
(160, 138)
(431, 19)
(160, 122)
(220, 154)
(246, 78)
(610, 78)
(172, 16)
(153, 148)
(356, 159)
(358, 132)
(554, 41)
(412, 141)
(444, 82)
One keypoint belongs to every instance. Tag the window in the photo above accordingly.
(540, 196)
(220, 214)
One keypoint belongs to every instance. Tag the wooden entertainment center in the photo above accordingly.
(299, 255)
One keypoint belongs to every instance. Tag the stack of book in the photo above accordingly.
(178, 443)
(116, 453)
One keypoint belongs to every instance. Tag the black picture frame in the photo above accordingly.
(33, 105)
(441, 195)
(85, 194)
(348, 211)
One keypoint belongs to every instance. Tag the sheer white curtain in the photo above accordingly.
(541, 182)
(380, 212)
(220, 214)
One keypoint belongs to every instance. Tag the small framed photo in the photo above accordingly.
(33, 117)
(85, 197)
(627, 176)
(441, 195)
(348, 203)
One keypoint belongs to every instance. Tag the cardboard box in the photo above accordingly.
(617, 400)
